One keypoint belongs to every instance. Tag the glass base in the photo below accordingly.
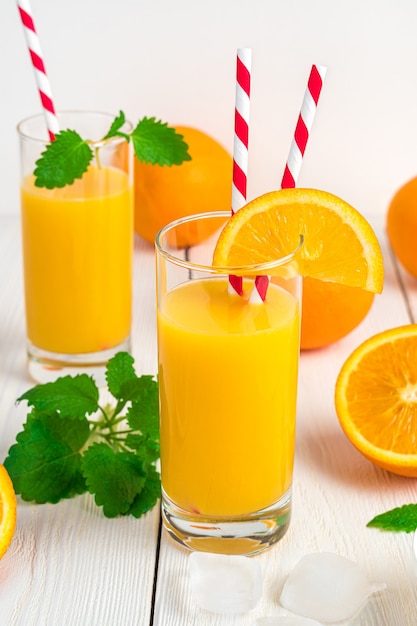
(46, 367)
(245, 535)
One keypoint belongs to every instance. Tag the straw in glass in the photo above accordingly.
(296, 154)
(241, 142)
(304, 126)
(38, 64)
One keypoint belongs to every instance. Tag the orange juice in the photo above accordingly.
(77, 251)
(228, 379)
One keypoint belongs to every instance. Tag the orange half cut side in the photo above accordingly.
(376, 399)
(7, 511)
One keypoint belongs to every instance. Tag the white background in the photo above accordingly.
(175, 59)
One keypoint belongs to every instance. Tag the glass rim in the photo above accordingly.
(127, 126)
(239, 270)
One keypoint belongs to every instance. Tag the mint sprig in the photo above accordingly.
(71, 444)
(67, 157)
(400, 519)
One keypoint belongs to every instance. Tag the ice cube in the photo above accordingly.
(286, 620)
(327, 587)
(224, 583)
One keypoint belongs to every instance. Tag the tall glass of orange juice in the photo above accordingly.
(77, 252)
(228, 384)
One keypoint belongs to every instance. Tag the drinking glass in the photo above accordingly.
(77, 252)
(228, 384)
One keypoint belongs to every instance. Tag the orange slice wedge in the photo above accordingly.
(376, 399)
(339, 246)
(7, 511)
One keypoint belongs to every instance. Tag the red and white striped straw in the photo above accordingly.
(241, 136)
(38, 64)
(304, 126)
(241, 142)
(295, 157)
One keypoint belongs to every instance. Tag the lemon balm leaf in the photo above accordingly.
(149, 495)
(45, 463)
(157, 143)
(63, 160)
(139, 389)
(403, 518)
(125, 385)
(115, 127)
(115, 478)
(146, 449)
(143, 414)
(71, 397)
(119, 370)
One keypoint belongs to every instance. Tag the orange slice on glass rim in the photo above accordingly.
(7, 511)
(376, 399)
(339, 245)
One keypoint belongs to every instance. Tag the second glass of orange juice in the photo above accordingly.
(228, 385)
(77, 252)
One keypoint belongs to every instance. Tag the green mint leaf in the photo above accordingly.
(149, 495)
(119, 370)
(63, 160)
(143, 414)
(139, 388)
(115, 478)
(156, 143)
(403, 518)
(45, 462)
(124, 384)
(117, 124)
(71, 397)
(146, 449)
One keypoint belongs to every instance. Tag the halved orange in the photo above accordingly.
(376, 399)
(7, 510)
(339, 246)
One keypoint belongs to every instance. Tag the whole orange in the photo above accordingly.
(330, 311)
(402, 225)
(204, 184)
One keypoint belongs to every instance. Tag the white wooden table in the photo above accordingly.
(68, 565)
